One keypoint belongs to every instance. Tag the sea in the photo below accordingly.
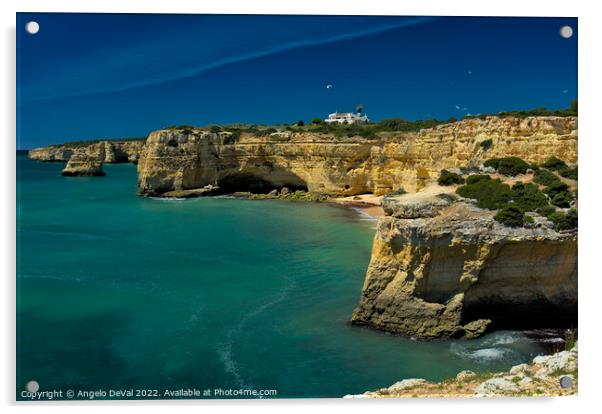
(206, 298)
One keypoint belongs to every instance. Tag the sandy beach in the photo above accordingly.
(368, 203)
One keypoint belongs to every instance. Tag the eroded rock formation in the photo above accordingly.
(103, 151)
(447, 269)
(181, 160)
(83, 166)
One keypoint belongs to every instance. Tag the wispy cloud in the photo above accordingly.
(159, 61)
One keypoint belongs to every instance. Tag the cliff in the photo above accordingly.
(441, 267)
(102, 151)
(175, 159)
(551, 375)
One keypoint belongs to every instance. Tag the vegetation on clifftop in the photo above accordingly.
(513, 203)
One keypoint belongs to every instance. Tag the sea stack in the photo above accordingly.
(81, 166)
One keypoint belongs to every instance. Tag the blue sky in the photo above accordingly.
(85, 76)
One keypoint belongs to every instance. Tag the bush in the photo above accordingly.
(472, 179)
(215, 129)
(556, 188)
(490, 194)
(316, 121)
(559, 195)
(511, 216)
(545, 177)
(528, 197)
(449, 178)
(487, 144)
(554, 164)
(568, 172)
(300, 123)
(546, 211)
(565, 221)
(508, 165)
(562, 200)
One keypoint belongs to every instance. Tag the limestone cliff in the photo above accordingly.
(103, 151)
(188, 159)
(83, 166)
(441, 267)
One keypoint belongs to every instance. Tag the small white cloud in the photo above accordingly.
(470, 72)
(565, 91)
(457, 107)
(329, 86)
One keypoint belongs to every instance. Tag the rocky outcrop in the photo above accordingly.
(103, 151)
(445, 268)
(551, 375)
(188, 159)
(83, 166)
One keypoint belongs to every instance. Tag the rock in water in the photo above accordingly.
(81, 166)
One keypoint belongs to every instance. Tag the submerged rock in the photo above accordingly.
(80, 166)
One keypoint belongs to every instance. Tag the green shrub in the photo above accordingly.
(511, 216)
(556, 188)
(554, 164)
(487, 144)
(565, 221)
(300, 123)
(215, 129)
(562, 200)
(559, 194)
(490, 194)
(449, 178)
(528, 197)
(545, 211)
(545, 177)
(568, 172)
(508, 165)
(472, 179)
(316, 121)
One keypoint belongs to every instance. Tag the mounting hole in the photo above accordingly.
(566, 381)
(566, 32)
(32, 27)
(32, 386)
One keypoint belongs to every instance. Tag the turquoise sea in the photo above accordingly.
(116, 291)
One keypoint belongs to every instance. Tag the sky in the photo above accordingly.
(88, 76)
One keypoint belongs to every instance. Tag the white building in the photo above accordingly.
(347, 118)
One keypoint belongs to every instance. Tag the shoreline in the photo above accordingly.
(365, 204)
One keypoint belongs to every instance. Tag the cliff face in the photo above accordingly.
(178, 160)
(102, 151)
(445, 268)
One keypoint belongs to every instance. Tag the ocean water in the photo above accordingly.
(116, 291)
